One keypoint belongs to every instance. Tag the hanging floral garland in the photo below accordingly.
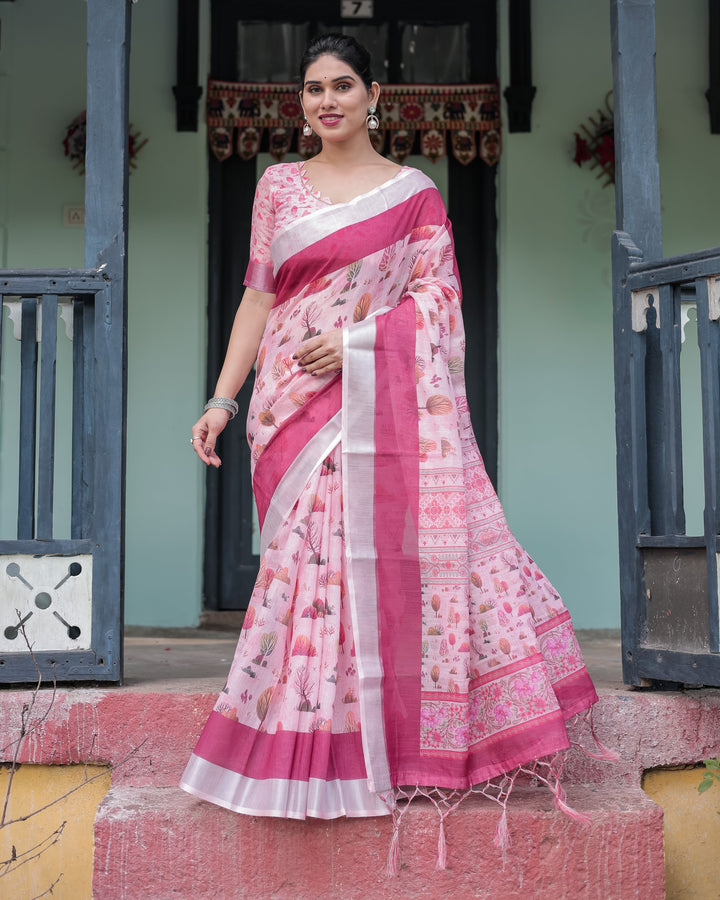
(74, 143)
(596, 144)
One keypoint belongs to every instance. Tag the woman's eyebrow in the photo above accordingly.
(339, 78)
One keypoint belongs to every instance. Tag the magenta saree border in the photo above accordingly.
(396, 505)
(282, 754)
(326, 251)
(282, 449)
(381, 490)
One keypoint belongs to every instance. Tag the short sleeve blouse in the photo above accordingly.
(260, 274)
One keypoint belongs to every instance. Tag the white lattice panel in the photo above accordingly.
(51, 596)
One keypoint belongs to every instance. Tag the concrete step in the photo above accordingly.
(185, 848)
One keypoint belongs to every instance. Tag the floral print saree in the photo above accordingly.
(398, 638)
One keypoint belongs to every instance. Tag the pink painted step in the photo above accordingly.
(103, 725)
(189, 850)
(196, 851)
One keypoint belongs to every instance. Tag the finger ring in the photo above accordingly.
(193, 438)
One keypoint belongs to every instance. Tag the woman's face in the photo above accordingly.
(334, 98)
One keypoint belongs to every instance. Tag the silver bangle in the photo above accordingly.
(222, 403)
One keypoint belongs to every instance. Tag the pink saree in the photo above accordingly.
(398, 638)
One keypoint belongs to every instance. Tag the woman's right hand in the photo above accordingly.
(205, 433)
(247, 332)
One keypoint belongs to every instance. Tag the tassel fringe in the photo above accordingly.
(441, 862)
(393, 860)
(502, 835)
(581, 818)
(601, 752)
(547, 771)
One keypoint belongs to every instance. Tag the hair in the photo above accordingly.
(343, 47)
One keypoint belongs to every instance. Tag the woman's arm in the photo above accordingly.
(247, 332)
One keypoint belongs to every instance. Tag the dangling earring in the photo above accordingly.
(372, 121)
(307, 128)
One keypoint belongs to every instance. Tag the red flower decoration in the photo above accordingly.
(582, 153)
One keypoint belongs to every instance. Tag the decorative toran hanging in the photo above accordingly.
(468, 113)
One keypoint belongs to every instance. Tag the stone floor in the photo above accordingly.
(198, 659)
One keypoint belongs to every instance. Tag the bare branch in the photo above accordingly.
(12, 865)
(24, 718)
(16, 856)
(50, 889)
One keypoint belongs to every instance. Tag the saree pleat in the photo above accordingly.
(397, 635)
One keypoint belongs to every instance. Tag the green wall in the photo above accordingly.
(557, 452)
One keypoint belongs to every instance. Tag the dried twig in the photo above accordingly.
(25, 718)
(50, 889)
(25, 732)
(8, 865)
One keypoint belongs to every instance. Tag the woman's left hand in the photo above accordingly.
(322, 354)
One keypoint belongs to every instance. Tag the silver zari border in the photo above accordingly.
(358, 473)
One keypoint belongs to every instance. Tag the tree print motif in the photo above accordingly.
(438, 405)
(248, 619)
(263, 703)
(303, 647)
(304, 687)
(309, 317)
(362, 308)
(267, 645)
(351, 275)
(312, 538)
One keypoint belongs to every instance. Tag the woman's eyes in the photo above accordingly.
(343, 86)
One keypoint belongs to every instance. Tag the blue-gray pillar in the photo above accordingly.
(637, 172)
(638, 236)
(106, 219)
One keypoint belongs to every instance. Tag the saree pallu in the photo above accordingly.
(398, 638)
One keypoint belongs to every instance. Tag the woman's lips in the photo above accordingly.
(330, 120)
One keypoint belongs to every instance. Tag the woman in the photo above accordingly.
(397, 634)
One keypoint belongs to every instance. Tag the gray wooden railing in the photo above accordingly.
(61, 585)
(88, 545)
(669, 579)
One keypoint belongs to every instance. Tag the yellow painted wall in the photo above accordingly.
(692, 833)
(70, 857)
